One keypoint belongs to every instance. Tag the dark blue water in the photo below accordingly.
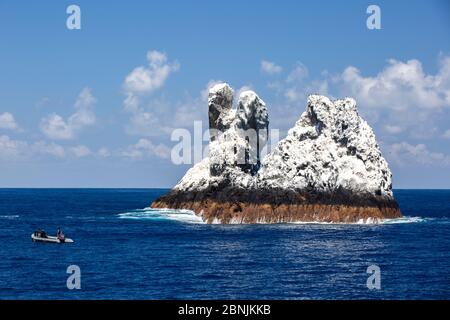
(126, 253)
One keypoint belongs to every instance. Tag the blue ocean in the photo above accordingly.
(126, 251)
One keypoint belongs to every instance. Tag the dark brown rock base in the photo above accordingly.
(277, 206)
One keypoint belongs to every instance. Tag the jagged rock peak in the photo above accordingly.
(220, 103)
(236, 136)
(252, 111)
(330, 148)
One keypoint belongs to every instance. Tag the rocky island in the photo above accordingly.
(329, 168)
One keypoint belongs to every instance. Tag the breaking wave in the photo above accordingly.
(180, 215)
(371, 221)
(189, 216)
(404, 220)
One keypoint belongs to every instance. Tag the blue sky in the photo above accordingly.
(65, 120)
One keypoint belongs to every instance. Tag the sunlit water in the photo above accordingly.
(126, 250)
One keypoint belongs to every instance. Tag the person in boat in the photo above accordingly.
(40, 233)
(60, 234)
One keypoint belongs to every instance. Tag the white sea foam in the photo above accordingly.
(404, 220)
(370, 221)
(14, 216)
(181, 215)
(189, 216)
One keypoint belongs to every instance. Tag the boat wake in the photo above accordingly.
(180, 215)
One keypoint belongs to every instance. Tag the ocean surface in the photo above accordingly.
(125, 251)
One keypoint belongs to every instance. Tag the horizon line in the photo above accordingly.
(144, 188)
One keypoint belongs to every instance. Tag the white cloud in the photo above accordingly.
(145, 79)
(45, 148)
(8, 122)
(299, 73)
(145, 148)
(146, 124)
(159, 116)
(56, 127)
(104, 152)
(400, 99)
(393, 129)
(43, 102)
(80, 151)
(402, 94)
(11, 149)
(85, 99)
(296, 86)
(270, 67)
(299, 91)
(405, 154)
(16, 149)
(447, 134)
(400, 86)
(189, 111)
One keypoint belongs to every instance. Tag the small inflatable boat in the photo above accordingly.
(41, 236)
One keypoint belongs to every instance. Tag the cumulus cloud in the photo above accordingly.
(297, 85)
(446, 134)
(270, 67)
(400, 86)
(393, 129)
(146, 79)
(406, 154)
(104, 152)
(402, 94)
(298, 73)
(56, 127)
(17, 149)
(401, 99)
(145, 148)
(141, 81)
(8, 122)
(299, 91)
(159, 116)
(147, 123)
(80, 151)
(46, 148)
(9, 148)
